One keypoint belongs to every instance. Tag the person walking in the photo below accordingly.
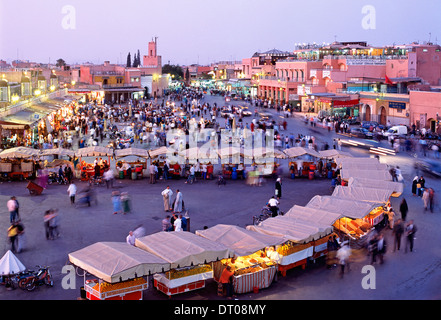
(381, 247)
(178, 203)
(152, 171)
(425, 198)
(404, 209)
(72, 190)
(12, 235)
(278, 187)
(411, 229)
(431, 199)
(108, 176)
(166, 196)
(130, 239)
(12, 205)
(398, 233)
(116, 201)
(414, 185)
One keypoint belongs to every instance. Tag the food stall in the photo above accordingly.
(361, 213)
(253, 268)
(118, 270)
(136, 166)
(395, 187)
(87, 170)
(323, 217)
(189, 256)
(18, 163)
(305, 162)
(300, 235)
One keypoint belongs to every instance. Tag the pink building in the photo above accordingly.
(425, 110)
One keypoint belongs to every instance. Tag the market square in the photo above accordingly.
(306, 174)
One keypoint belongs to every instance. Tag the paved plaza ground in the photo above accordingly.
(415, 275)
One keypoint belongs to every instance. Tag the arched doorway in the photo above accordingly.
(383, 116)
(367, 113)
(432, 125)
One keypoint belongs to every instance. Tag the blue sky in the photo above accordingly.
(204, 31)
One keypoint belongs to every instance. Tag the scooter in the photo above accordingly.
(36, 278)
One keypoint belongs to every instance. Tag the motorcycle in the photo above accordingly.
(33, 279)
(55, 178)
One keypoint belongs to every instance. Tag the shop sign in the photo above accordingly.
(397, 105)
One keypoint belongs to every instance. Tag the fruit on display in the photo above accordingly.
(186, 272)
(290, 247)
(106, 287)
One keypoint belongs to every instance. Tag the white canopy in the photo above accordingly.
(96, 151)
(259, 152)
(19, 153)
(137, 152)
(158, 152)
(182, 249)
(346, 207)
(9, 264)
(57, 151)
(334, 153)
(358, 160)
(379, 174)
(364, 166)
(321, 216)
(203, 154)
(117, 261)
(295, 152)
(395, 187)
(241, 241)
(296, 230)
(362, 194)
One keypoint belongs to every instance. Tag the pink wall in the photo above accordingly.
(425, 104)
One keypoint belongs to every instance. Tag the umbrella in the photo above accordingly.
(9, 264)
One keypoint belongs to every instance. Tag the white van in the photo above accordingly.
(396, 131)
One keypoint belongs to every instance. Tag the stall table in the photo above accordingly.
(181, 284)
(127, 290)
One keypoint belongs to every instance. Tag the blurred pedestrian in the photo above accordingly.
(411, 229)
(130, 239)
(381, 247)
(12, 205)
(166, 225)
(116, 201)
(21, 238)
(72, 190)
(398, 233)
(12, 235)
(125, 202)
(343, 256)
(53, 223)
(425, 198)
(431, 199)
(109, 176)
(278, 187)
(404, 209)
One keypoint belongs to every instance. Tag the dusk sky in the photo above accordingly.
(202, 31)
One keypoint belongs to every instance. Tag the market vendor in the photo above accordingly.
(226, 279)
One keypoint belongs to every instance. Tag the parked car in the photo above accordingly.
(430, 166)
(361, 133)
